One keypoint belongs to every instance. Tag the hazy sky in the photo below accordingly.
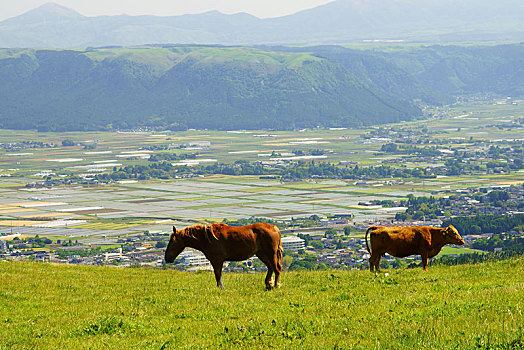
(259, 8)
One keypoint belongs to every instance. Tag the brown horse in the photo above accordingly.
(220, 242)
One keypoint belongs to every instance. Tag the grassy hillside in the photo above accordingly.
(57, 307)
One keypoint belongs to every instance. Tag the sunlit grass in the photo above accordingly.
(58, 306)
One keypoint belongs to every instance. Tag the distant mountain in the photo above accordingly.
(47, 13)
(185, 87)
(52, 25)
(217, 87)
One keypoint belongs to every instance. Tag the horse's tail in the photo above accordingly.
(280, 251)
(367, 231)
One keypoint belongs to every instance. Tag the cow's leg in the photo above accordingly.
(425, 262)
(374, 262)
(217, 268)
(377, 263)
(269, 265)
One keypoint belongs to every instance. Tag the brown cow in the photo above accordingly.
(220, 242)
(403, 241)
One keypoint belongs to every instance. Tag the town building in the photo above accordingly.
(293, 243)
(336, 221)
(113, 256)
(194, 259)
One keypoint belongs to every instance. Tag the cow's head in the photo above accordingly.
(452, 236)
(175, 246)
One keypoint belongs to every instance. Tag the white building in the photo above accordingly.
(190, 257)
(113, 256)
(338, 221)
(293, 243)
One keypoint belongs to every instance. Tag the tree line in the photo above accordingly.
(488, 223)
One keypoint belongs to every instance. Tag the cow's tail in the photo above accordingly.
(371, 228)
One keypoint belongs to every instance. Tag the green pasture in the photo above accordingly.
(241, 54)
(450, 250)
(109, 247)
(459, 307)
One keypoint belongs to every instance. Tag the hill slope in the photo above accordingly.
(180, 87)
(218, 87)
(338, 21)
(58, 306)
(435, 74)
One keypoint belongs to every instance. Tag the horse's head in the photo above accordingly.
(175, 246)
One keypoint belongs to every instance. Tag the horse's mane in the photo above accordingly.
(190, 230)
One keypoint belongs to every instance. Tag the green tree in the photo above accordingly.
(317, 244)
(475, 230)
(330, 232)
(286, 261)
(322, 266)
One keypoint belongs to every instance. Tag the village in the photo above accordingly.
(330, 249)
(308, 243)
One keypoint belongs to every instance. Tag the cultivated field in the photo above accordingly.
(102, 214)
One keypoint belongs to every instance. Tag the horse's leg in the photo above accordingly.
(267, 262)
(268, 281)
(277, 267)
(217, 268)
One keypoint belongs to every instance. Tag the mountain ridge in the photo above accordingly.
(47, 12)
(334, 22)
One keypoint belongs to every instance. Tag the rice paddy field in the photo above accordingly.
(107, 212)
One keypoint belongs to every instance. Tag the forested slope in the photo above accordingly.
(179, 87)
